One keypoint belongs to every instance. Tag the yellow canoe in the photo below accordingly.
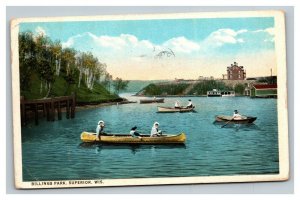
(128, 139)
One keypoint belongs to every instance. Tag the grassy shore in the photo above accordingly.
(84, 96)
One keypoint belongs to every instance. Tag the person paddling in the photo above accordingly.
(133, 132)
(190, 104)
(236, 115)
(100, 128)
(177, 104)
(154, 131)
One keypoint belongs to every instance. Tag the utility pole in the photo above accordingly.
(271, 72)
(272, 82)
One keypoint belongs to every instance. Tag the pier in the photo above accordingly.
(49, 107)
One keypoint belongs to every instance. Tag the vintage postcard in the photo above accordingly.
(122, 100)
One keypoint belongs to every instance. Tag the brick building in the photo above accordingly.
(235, 72)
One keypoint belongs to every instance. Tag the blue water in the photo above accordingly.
(53, 150)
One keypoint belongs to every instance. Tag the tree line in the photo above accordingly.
(48, 59)
(200, 88)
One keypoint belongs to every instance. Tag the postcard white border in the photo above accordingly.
(280, 49)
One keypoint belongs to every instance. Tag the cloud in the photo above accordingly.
(224, 36)
(113, 49)
(181, 44)
(127, 42)
(270, 31)
(133, 57)
(262, 35)
(128, 46)
(71, 41)
(231, 41)
(40, 31)
(242, 31)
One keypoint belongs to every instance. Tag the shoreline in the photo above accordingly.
(99, 105)
(83, 106)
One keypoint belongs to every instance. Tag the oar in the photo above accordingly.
(227, 123)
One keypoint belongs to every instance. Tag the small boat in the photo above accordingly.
(128, 139)
(214, 93)
(228, 94)
(243, 120)
(159, 100)
(162, 109)
(219, 93)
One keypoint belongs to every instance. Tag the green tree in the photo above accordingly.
(107, 81)
(90, 69)
(120, 85)
(45, 61)
(152, 89)
(239, 88)
(202, 87)
(56, 51)
(40, 57)
(69, 68)
(27, 59)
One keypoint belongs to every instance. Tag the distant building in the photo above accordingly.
(235, 72)
(263, 90)
(179, 79)
(205, 78)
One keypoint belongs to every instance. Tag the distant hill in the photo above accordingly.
(193, 87)
(135, 86)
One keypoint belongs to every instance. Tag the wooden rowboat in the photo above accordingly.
(243, 120)
(128, 139)
(161, 100)
(172, 109)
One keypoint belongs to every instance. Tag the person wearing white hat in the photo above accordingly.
(154, 131)
(100, 128)
(190, 104)
(176, 104)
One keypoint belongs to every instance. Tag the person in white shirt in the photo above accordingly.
(190, 104)
(100, 128)
(236, 115)
(154, 131)
(133, 132)
(177, 104)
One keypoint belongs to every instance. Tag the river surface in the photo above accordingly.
(53, 150)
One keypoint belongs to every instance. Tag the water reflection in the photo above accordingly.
(236, 127)
(133, 147)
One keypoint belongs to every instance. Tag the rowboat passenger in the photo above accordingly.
(190, 104)
(236, 115)
(133, 132)
(154, 131)
(177, 104)
(100, 128)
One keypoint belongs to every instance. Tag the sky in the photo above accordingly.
(170, 48)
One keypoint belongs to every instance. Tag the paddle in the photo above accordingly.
(227, 123)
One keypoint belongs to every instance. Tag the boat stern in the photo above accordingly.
(182, 137)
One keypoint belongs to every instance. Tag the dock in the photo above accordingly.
(49, 108)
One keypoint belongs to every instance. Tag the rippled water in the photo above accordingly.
(53, 150)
